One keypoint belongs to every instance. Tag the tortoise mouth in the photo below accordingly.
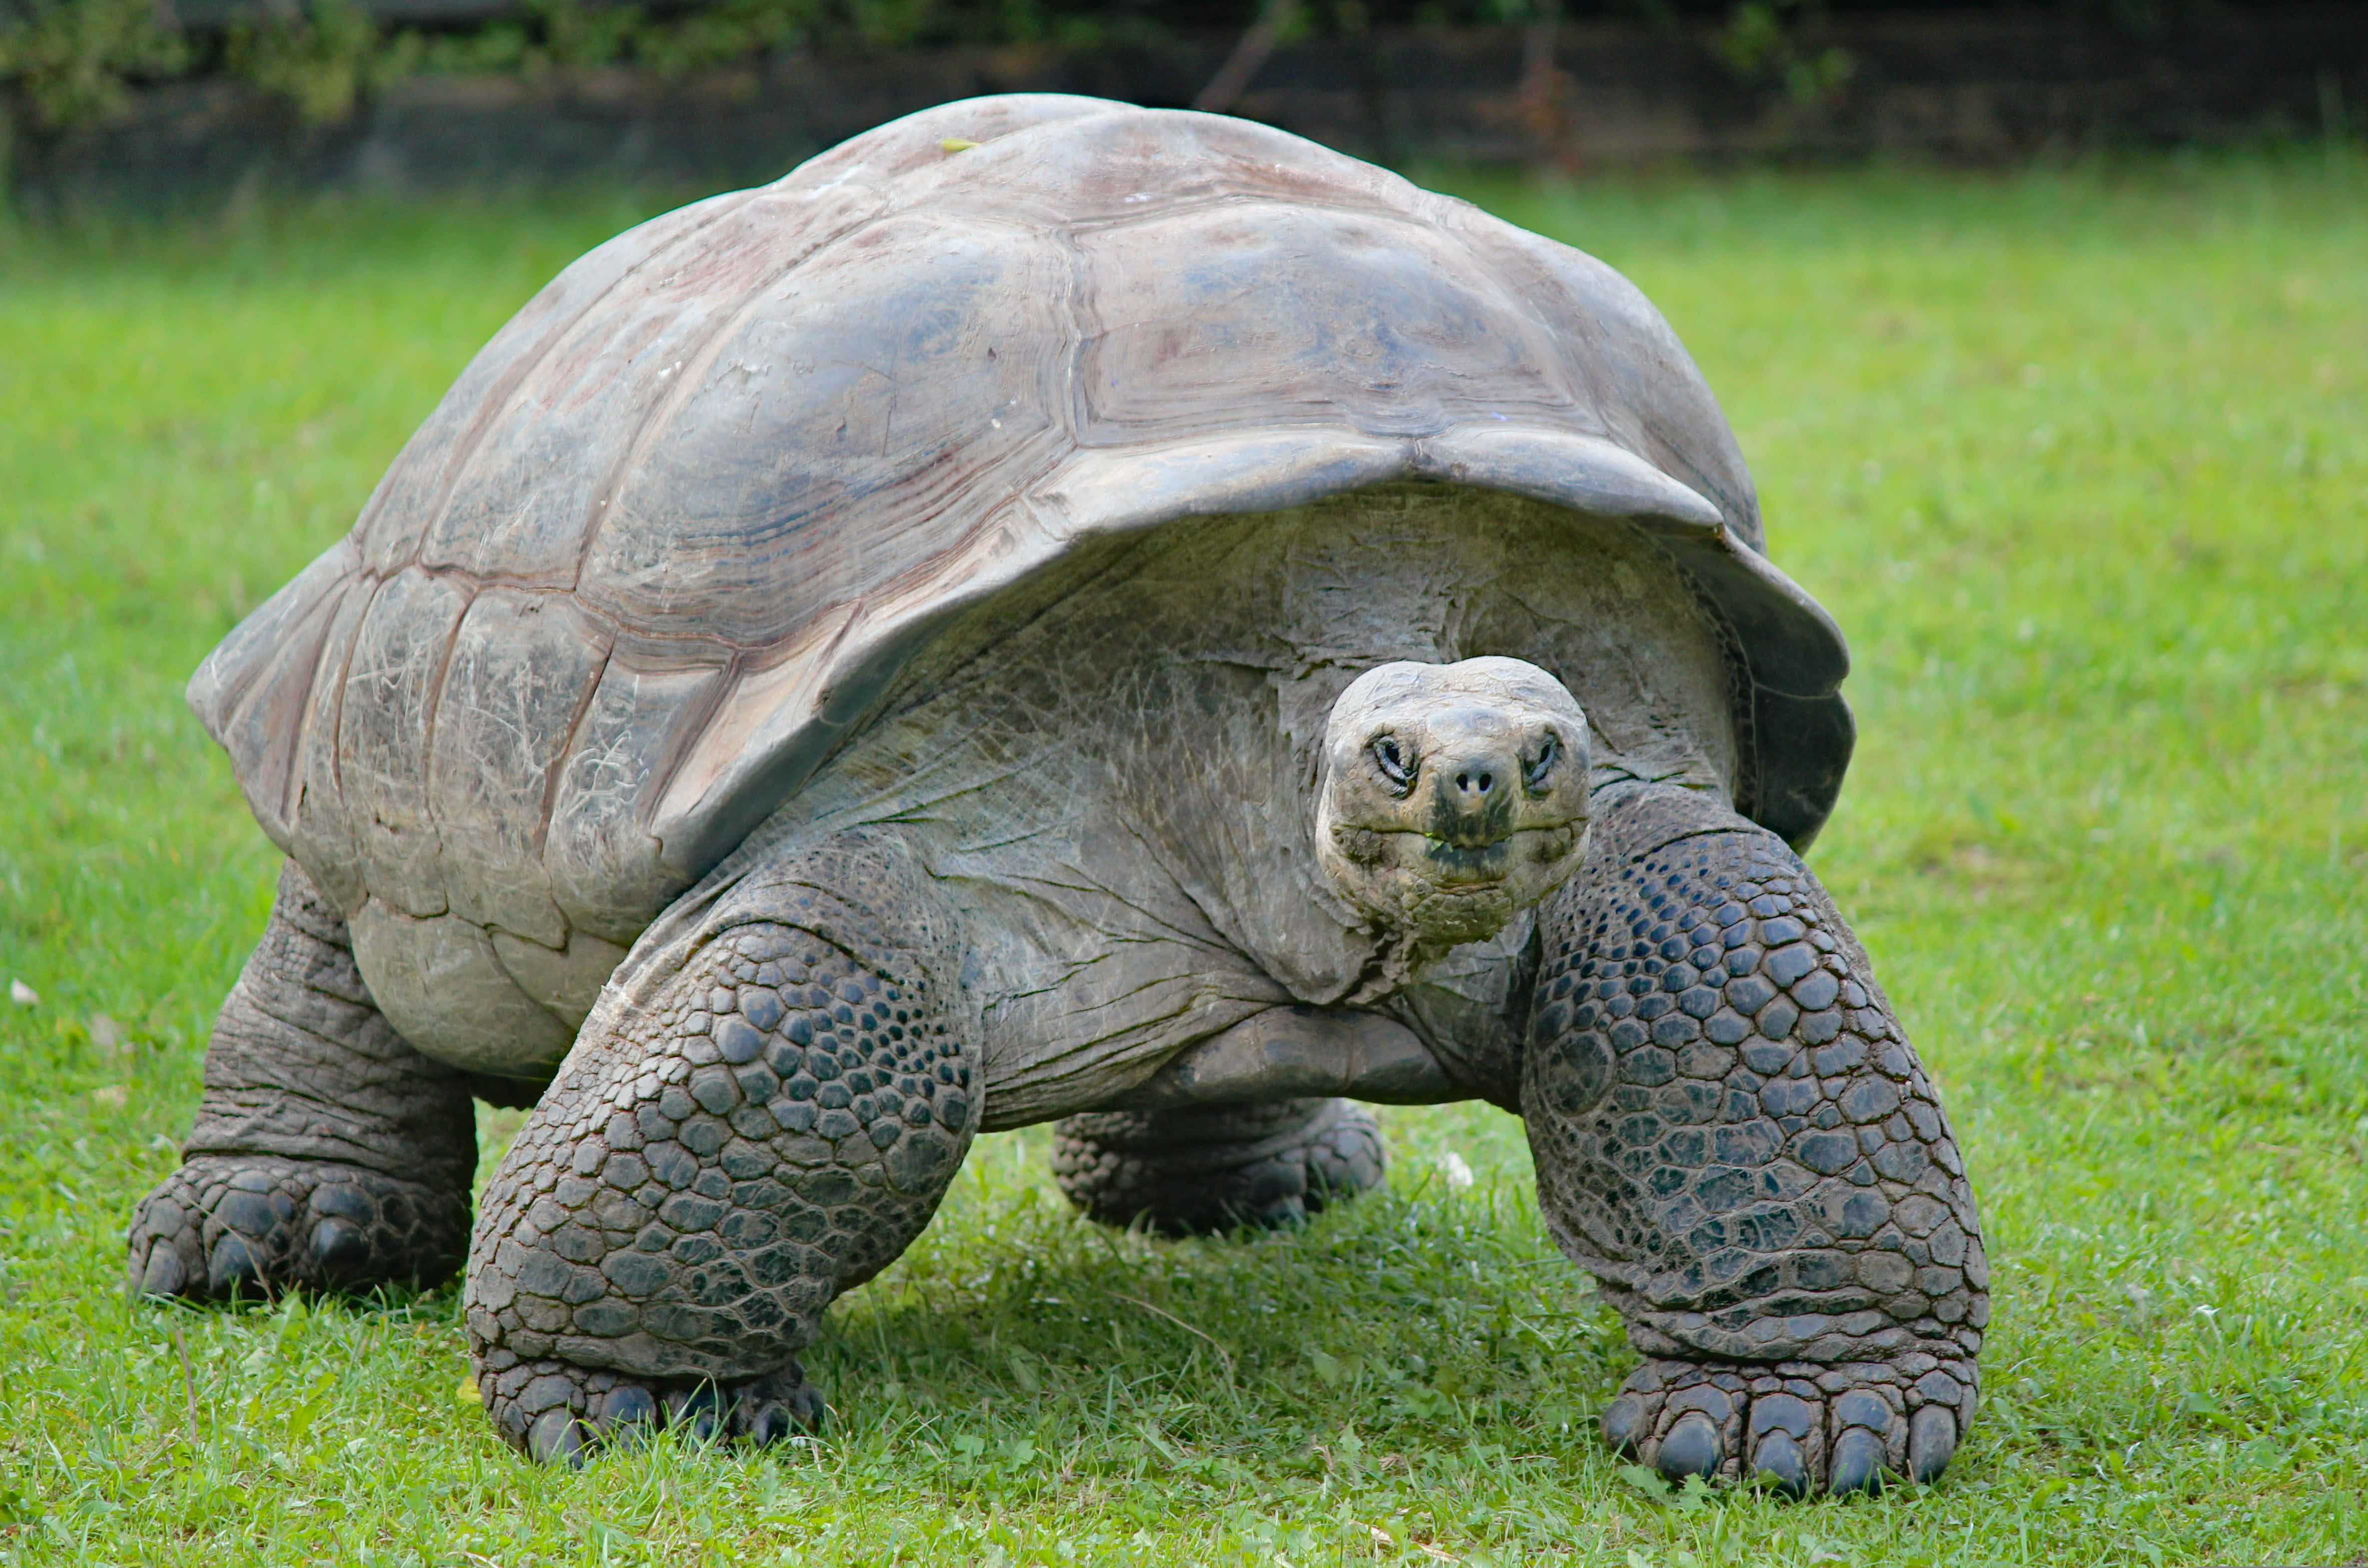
(1457, 864)
(1446, 892)
(1462, 866)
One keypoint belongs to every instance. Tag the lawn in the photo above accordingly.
(2077, 456)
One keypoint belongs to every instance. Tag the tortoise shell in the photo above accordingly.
(673, 531)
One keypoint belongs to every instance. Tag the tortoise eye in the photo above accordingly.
(1396, 766)
(1549, 752)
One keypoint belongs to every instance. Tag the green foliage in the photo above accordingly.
(320, 59)
(1777, 41)
(569, 33)
(71, 64)
(65, 62)
(2079, 458)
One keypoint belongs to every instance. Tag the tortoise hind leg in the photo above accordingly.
(763, 1113)
(1206, 1168)
(327, 1152)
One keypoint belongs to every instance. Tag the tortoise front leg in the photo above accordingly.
(742, 1132)
(1734, 1137)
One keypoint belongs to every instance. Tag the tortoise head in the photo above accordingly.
(1452, 797)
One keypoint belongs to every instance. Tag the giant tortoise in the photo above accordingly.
(1060, 610)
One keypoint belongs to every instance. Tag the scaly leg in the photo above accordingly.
(760, 1121)
(1734, 1137)
(1205, 1168)
(327, 1152)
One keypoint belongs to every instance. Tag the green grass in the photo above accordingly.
(2079, 458)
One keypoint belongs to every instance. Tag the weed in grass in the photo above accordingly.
(2078, 457)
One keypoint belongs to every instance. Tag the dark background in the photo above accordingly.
(164, 102)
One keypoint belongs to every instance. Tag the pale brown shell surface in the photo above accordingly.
(673, 531)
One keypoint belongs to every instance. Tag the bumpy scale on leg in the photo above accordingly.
(327, 1152)
(1733, 1135)
(1213, 1167)
(698, 1186)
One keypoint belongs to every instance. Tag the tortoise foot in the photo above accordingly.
(1210, 1169)
(1799, 1426)
(225, 1226)
(555, 1413)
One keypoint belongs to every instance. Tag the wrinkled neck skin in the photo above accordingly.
(1111, 779)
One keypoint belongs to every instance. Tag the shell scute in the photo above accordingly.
(1624, 362)
(1241, 317)
(890, 155)
(392, 679)
(603, 859)
(318, 829)
(259, 684)
(440, 982)
(857, 422)
(521, 668)
(437, 460)
(541, 477)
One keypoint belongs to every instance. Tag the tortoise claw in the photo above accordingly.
(1692, 1448)
(557, 1436)
(1931, 1443)
(1779, 1461)
(1858, 1462)
(1625, 1425)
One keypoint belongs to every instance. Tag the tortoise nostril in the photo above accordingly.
(1476, 783)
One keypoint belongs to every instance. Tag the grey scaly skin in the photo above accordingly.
(763, 1120)
(327, 1152)
(1209, 1169)
(1734, 1138)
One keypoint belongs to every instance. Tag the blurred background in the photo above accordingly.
(176, 101)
